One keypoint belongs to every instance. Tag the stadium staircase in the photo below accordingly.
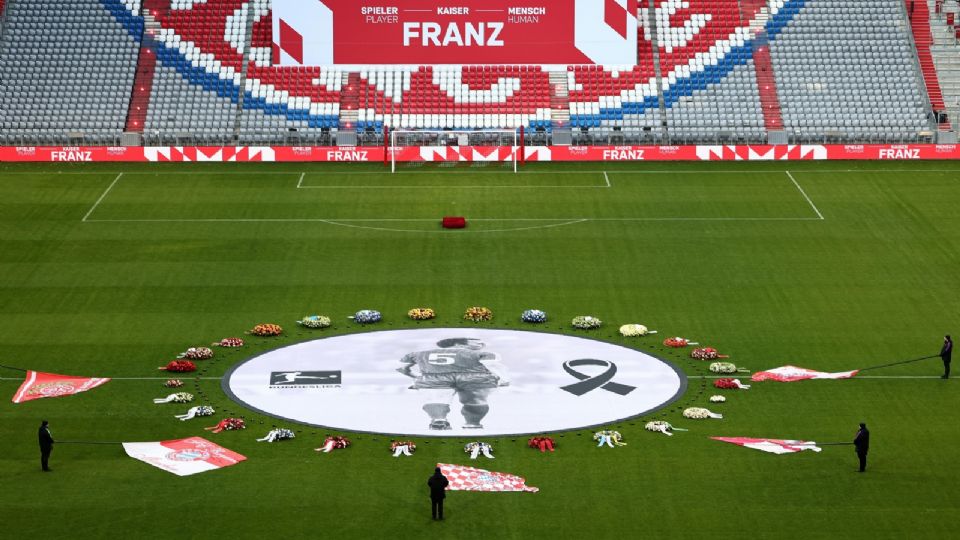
(762, 63)
(945, 49)
(146, 69)
(918, 13)
(559, 99)
(247, 23)
(350, 100)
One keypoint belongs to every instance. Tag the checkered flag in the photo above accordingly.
(464, 478)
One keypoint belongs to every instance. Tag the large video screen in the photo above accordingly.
(368, 32)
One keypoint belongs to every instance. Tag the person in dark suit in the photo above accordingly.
(946, 354)
(438, 485)
(46, 446)
(862, 444)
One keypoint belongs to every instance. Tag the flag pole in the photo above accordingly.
(899, 363)
(13, 368)
(834, 444)
(87, 442)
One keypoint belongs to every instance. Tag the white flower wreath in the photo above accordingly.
(717, 399)
(634, 330)
(699, 413)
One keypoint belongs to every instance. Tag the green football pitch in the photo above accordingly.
(111, 270)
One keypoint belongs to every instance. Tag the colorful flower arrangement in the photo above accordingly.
(661, 426)
(705, 353)
(179, 397)
(729, 384)
(315, 321)
(717, 399)
(367, 316)
(421, 314)
(676, 342)
(278, 434)
(179, 366)
(267, 330)
(406, 448)
(542, 443)
(202, 410)
(197, 353)
(478, 313)
(228, 424)
(699, 413)
(609, 438)
(332, 443)
(533, 316)
(723, 367)
(173, 383)
(230, 342)
(476, 448)
(586, 322)
(635, 330)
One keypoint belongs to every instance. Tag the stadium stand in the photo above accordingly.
(200, 71)
(945, 50)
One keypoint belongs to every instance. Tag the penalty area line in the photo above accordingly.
(805, 196)
(102, 196)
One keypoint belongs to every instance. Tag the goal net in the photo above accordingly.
(480, 148)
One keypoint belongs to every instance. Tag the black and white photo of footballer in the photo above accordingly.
(459, 368)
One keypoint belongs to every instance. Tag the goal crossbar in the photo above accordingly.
(426, 145)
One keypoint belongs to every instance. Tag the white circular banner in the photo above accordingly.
(454, 382)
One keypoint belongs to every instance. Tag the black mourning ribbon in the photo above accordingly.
(588, 383)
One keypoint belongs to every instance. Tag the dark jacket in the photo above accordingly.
(438, 484)
(862, 441)
(947, 351)
(46, 440)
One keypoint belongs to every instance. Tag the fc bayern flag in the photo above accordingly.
(464, 478)
(794, 373)
(40, 385)
(773, 446)
(183, 457)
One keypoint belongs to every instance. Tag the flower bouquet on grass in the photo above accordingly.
(314, 321)
(678, 342)
(229, 342)
(266, 330)
(533, 316)
(717, 399)
(228, 424)
(730, 384)
(367, 316)
(586, 322)
(332, 443)
(179, 366)
(179, 397)
(197, 353)
(542, 443)
(173, 383)
(635, 330)
(405, 448)
(278, 434)
(724, 367)
(421, 314)
(609, 438)
(706, 353)
(193, 412)
(476, 448)
(478, 314)
(661, 426)
(699, 413)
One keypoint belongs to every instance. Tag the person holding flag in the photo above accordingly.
(46, 445)
(862, 445)
(946, 354)
(438, 492)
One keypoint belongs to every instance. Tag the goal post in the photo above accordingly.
(474, 147)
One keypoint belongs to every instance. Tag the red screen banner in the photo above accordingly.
(367, 32)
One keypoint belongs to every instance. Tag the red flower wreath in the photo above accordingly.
(228, 424)
(180, 366)
(706, 353)
(541, 443)
(230, 342)
(725, 384)
(676, 342)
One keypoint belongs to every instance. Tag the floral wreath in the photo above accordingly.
(586, 322)
(723, 367)
(542, 443)
(661, 426)
(334, 442)
(635, 330)
(230, 342)
(179, 397)
(610, 438)
(267, 330)
(179, 366)
(367, 316)
(421, 314)
(677, 342)
(315, 321)
(706, 353)
(699, 413)
(478, 313)
(476, 448)
(397, 444)
(228, 424)
(534, 316)
(729, 384)
(278, 434)
(193, 412)
(173, 383)
(197, 353)
(717, 399)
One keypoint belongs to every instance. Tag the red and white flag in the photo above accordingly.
(794, 373)
(183, 457)
(39, 385)
(464, 478)
(774, 446)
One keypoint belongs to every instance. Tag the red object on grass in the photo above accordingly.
(454, 222)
